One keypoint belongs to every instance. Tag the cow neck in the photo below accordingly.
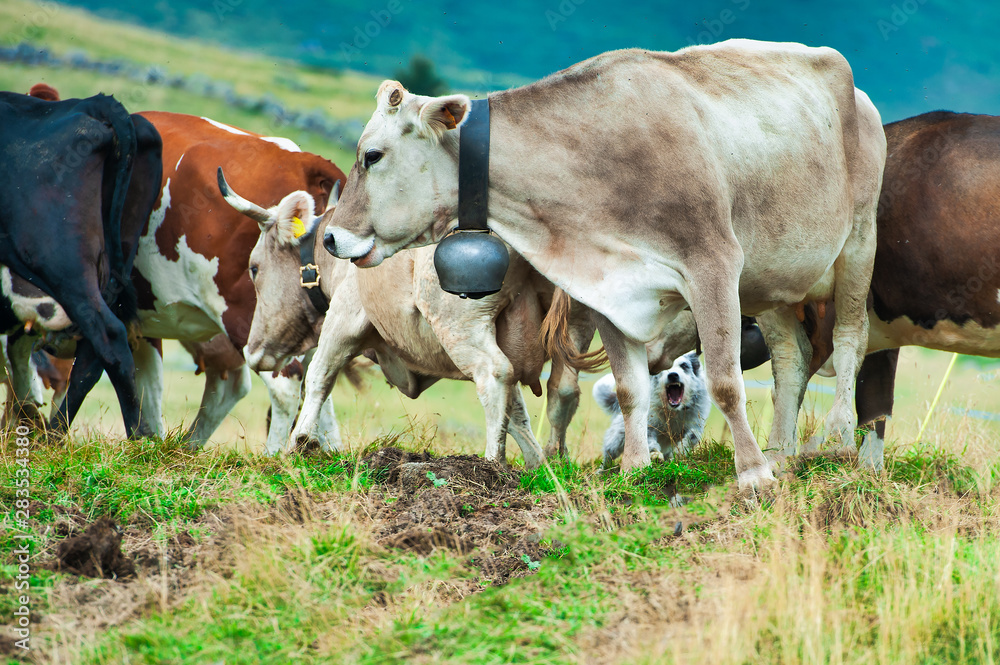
(309, 276)
(474, 167)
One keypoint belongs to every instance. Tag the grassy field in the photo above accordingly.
(243, 559)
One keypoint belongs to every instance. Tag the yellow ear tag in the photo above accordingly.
(298, 228)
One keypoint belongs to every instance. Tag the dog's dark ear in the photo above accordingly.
(695, 364)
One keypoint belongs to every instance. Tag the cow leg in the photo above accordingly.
(853, 271)
(519, 427)
(630, 367)
(563, 389)
(84, 376)
(223, 389)
(790, 354)
(342, 338)
(716, 308)
(104, 346)
(285, 392)
(875, 395)
(25, 393)
(472, 345)
(149, 385)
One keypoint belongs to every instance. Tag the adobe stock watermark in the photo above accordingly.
(562, 12)
(33, 23)
(364, 34)
(223, 7)
(898, 17)
(22, 580)
(714, 27)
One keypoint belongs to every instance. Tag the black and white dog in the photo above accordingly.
(678, 407)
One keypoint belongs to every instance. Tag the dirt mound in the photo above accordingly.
(95, 553)
(459, 503)
(414, 470)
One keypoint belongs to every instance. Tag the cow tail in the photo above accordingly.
(120, 292)
(558, 344)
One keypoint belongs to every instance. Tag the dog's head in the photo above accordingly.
(676, 386)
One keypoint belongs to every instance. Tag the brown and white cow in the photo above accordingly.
(418, 333)
(740, 176)
(936, 280)
(191, 268)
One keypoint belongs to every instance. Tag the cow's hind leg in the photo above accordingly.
(563, 387)
(149, 384)
(630, 367)
(876, 384)
(852, 279)
(716, 308)
(790, 355)
(104, 346)
(519, 427)
(25, 394)
(472, 346)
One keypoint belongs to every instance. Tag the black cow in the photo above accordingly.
(70, 222)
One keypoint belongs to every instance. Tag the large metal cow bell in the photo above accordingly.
(471, 264)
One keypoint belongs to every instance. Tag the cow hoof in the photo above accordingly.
(630, 464)
(872, 453)
(756, 482)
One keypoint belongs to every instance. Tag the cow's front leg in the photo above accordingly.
(345, 332)
(630, 366)
(285, 392)
(790, 355)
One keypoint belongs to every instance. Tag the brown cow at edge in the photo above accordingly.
(936, 281)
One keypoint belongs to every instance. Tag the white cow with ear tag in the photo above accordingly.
(417, 332)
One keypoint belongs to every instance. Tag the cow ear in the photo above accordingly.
(390, 95)
(294, 217)
(440, 114)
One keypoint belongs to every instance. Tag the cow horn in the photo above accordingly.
(251, 210)
(334, 197)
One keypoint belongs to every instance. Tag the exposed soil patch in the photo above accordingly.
(460, 503)
(95, 553)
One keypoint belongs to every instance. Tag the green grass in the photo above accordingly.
(872, 551)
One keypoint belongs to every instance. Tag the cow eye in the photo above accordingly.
(372, 156)
(253, 272)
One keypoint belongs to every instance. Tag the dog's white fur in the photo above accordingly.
(670, 428)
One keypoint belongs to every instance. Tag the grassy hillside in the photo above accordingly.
(65, 30)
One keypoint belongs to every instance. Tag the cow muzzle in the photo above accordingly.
(363, 252)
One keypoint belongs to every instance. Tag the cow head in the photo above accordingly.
(285, 323)
(402, 191)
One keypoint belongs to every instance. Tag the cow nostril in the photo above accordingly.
(329, 243)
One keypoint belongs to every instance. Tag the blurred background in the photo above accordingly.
(309, 70)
